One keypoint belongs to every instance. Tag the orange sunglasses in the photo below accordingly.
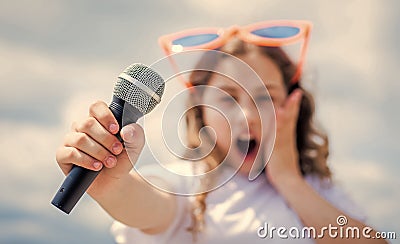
(274, 33)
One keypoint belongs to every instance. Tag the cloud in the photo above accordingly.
(371, 185)
(37, 84)
(342, 118)
(29, 179)
(37, 16)
(213, 8)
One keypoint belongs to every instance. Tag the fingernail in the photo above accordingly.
(128, 133)
(116, 148)
(110, 161)
(113, 128)
(97, 165)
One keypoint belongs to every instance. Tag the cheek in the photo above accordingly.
(279, 100)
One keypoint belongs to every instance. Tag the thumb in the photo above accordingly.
(133, 136)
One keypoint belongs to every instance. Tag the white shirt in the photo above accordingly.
(235, 213)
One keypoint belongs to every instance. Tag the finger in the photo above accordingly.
(134, 139)
(293, 99)
(86, 144)
(291, 106)
(101, 112)
(97, 132)
(69, 156)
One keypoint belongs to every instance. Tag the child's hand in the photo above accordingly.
(284, 161)
(92, 144)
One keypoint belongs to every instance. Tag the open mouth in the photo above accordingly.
(246, 147)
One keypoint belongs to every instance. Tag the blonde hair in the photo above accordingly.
(312, 144)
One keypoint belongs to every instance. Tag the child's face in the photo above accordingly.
(245, 119)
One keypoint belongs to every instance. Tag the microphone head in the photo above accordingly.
(140, 86)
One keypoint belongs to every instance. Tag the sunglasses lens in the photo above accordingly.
(195, 40)
(277, 32)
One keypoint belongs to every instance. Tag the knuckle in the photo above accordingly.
(86, 161)
(72, 153)
(80, 139)
(93, 107)
(108, 141)
(87, 124)
(101, 153)
(66, 154)
(59, 154)
(99, 110)
(103, 117)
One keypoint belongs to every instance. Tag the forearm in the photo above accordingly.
(134, 202)
(314, 211)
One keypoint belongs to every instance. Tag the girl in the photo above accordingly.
(294, 191)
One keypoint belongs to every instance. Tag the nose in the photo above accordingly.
(251, 114)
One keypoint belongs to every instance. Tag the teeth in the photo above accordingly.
(245, 138)
(246, 146)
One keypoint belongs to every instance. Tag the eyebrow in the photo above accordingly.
(229, 88)
(271, 86)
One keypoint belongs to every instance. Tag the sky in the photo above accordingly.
(57, 57)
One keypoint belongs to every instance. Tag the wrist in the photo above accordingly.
(105, 185)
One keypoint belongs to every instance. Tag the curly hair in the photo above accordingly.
(312, 143)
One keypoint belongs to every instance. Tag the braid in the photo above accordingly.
(197, 214)
(211, 161)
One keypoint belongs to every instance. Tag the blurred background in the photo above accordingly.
(57, 57)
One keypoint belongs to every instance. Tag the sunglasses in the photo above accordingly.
(274, 33)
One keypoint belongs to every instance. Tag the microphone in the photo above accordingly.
(137, 91)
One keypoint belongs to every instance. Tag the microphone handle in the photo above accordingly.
(79, 179)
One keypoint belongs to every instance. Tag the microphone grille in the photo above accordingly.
(140, 86)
